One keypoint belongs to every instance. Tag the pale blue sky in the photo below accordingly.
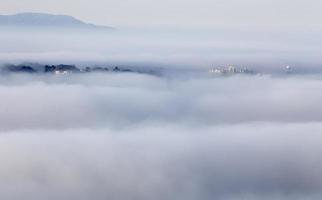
(279, 14)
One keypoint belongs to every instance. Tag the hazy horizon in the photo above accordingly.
(255, 46)
(183, 100)
(173, 48)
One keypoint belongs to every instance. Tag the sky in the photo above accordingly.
(273, 14)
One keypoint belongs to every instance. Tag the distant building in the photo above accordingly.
(57, 72)
(288, 69)
(230, 70)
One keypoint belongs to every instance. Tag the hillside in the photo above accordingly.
(45, 20)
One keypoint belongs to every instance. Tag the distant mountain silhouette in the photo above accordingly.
(46, 20)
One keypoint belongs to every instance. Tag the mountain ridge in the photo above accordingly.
(35, 19)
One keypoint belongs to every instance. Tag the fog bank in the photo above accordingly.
(122, 100)
(267, 161)
(134, 136)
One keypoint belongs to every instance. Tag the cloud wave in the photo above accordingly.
(132, 136)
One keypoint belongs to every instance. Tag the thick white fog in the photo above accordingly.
(125, 100)
(132, 136)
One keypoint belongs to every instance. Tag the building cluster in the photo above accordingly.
(63, 69)
(230, 70)
(59, 69)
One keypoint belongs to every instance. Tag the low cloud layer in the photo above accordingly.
(271, 161)
(131, 136)
(120, 100)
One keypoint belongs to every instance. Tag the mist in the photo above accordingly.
(119, 100)
(160, 100)
(227, 162)
(136, 136)
(266, 50)
(183, 111)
